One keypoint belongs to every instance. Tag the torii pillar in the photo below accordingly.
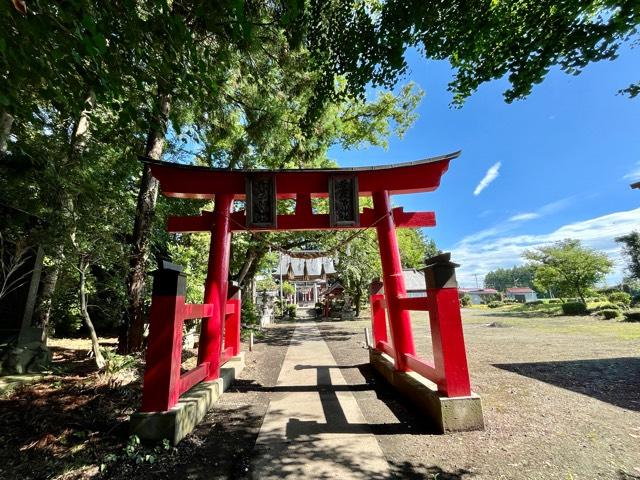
(216, 286)
(393, 279)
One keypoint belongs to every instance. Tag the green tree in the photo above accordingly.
(631, 249)
(236, 84)
(359, 263)
(568, 267)
(484, 40)
(288, 289)
(414, 247)
(503, 278)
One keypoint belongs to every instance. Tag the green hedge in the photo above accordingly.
(610, 313)
(605, 306)
(535, 302)
(632, 315)
(574, 308)
(495, 304)
(620, 297)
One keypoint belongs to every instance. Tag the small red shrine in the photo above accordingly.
(260, 190)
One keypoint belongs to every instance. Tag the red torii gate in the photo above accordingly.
(260, 189)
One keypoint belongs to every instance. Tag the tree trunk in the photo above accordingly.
(358, 301)
(80, 133)
(82, 292)
(581, 295)
(131, 336)
(251, 255)
(6, 122)
(77, 142)
(45, 298)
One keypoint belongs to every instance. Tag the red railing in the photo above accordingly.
(449, 369)
(163, 383)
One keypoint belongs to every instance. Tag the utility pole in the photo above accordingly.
(477, 284)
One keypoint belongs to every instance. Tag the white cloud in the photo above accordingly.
(489, 177)
(634, 174)
(489, 249)
(523, 217)
(556, 206)
(547, 209)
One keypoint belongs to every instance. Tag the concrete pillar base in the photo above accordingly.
(448, 414)
(193, 405)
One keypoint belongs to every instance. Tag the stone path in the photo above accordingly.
(314, 427)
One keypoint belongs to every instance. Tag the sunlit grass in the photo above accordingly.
(586, 325)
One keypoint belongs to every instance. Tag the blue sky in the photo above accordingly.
(562, 161)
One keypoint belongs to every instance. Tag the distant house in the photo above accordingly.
(414, 282)
(521, 294)
(479, 295)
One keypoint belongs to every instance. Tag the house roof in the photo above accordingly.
(414, 280)
(314, 266)
(335, 289)
(479, 291)
(519, 290)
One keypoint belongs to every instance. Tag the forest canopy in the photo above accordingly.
(88, 86)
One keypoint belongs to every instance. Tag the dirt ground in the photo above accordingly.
(74, 423)
(561, 398)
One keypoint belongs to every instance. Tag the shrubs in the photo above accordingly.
(620, 297)
(495, 304)
(285, 310)
(290, 310)
(597, 298)
(605, 306)
(610, 313)
(465, 301)
(574, 308)
(622, 306)
(632, 315)
(249, 314)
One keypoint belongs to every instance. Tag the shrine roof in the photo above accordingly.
(198, 182)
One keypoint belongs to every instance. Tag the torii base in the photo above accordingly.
(457, 414)
(193, 405)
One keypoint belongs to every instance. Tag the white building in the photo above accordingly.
(479, 295)
(522, 295)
